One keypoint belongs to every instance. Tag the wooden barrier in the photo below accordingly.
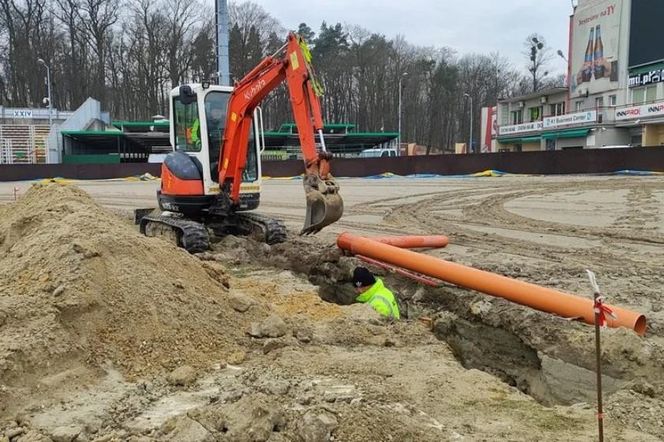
(586, 161)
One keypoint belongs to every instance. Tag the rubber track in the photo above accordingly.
(193, 236)
(275, 230)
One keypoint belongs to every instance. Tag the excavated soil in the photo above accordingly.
(81, 288)
(108, 335)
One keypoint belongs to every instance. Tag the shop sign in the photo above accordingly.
(646, 78)
(576, 118)
(645, 111)
(22, 113)
(520, 128)
(551, 123)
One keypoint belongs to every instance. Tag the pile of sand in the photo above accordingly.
(80, 285)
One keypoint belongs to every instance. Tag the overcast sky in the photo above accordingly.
(464, 25)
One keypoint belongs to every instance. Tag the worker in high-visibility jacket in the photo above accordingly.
(372, 291)
(195, 133)
(215, 127)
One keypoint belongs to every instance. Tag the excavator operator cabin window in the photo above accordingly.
(187, 125)
(216, 106)
(250, 173)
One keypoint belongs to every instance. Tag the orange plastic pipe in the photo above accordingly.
(408, 274)
(414, 242)
(524, 293)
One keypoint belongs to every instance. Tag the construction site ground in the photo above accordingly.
(106, 335)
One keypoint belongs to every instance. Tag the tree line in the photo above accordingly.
(129, 54)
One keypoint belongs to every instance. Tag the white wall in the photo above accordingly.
(82, 118)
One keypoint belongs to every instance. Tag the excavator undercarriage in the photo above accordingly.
(195, 236)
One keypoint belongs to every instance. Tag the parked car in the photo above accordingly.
(378, 153)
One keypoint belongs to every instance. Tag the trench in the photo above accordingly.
(500, 352)
(493, 349)
(548, 380)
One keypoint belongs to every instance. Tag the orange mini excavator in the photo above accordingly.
(212, 179)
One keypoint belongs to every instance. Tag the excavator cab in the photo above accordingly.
(199, 116)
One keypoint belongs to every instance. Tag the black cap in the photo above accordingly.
(362, 277)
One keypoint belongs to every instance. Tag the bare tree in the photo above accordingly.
(249, 14)
(97, 17)
(75, 60)
(203, 51)
(131, 59)
(181, 17)
(29, 34)
(539, 55)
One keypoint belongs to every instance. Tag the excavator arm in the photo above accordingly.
(292, 63)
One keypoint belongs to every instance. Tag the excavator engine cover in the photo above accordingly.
(182, 185)
(324, 204)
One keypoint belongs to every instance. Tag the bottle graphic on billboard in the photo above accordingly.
(599, 64)
(596, 31)
(587, 71)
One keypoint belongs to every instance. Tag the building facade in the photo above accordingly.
(643, 113)
(24, 133)
(615, 85)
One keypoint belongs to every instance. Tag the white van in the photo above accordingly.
(378, 153)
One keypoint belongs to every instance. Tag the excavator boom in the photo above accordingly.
(292, 64)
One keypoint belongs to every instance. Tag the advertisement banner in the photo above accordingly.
(595, 46)
(636, 112)
(645, 29)
(646, 78)
(489, 126)
(520, 128)
(564, 120)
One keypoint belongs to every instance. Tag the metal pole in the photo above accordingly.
(600, 319)
(222, 22)
(598, 355)
(50, 104)
(322, 140)
(399, 138)
(470, 146)
(470, 137)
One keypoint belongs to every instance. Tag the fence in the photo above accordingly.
(580, 161)
(23, 143)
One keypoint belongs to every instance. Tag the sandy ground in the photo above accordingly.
(489, 370)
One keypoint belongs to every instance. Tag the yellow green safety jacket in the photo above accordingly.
(196, 131)
(381, 299)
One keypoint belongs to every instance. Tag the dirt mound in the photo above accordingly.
(289, 295)
(81, 286)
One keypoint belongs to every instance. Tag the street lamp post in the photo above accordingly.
(561, 54)
(399, 138)
(567, 75)
(48, 86)
(470, 138)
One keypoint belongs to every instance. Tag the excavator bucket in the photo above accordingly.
(324, 204)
